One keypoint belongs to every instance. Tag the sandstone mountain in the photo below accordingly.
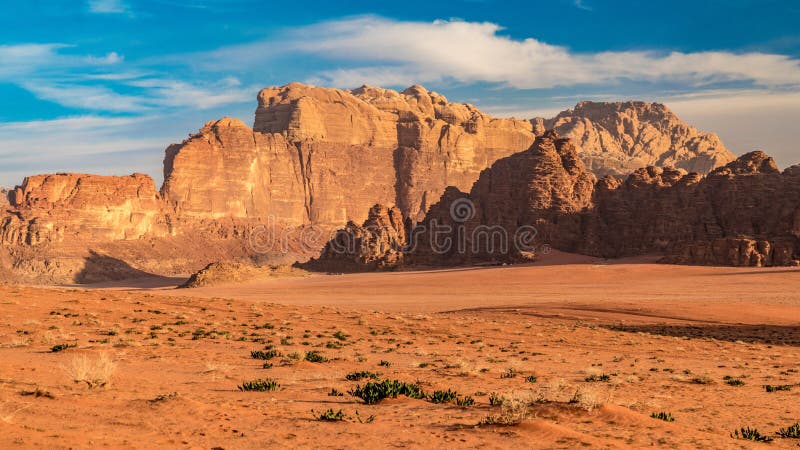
(617, 138)
(324, 156)
(746, 213)
(315, 159)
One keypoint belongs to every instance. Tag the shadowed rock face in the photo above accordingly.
(617, 138)
(746, 213)
(378, 243)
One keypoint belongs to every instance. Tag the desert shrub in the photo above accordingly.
(465, 401)
(368, 419)
(509, 373)
(334, 393)
(665, 416)
(333, 345)
(315, 357)
(373, 392)
(61, 347)
(750, 434)
(330, 415)
(94, 372)
(531, 379)
(259, 385)
(264, 354)
(514, 411)
(495, 399)
(443, 396)
(37, 393)
(358, 376)
(702, 380)
(792, 431)
(595, 378)
(384, 363)
(734, 382)
(340, 335)
(780, 387)
(266, 365)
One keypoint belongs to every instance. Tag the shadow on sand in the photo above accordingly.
(761, 334)
(98, 268)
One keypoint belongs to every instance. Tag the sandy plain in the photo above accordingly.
(570, 352)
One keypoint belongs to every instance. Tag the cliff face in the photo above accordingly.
(320, 158)
(324, 156)
(746, 213)
(617, 138)
(77, 207)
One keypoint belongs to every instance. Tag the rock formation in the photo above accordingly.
(75, 207)
(324, 156)
(617, 138)
(746, 213)
(319, 158)
(379, 243)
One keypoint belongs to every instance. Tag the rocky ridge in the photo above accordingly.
(746, 213)
(315, 159)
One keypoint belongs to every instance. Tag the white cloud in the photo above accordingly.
(385, 51)
(108, 6)
(581, 4)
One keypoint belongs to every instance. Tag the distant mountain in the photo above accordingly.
(618, 138)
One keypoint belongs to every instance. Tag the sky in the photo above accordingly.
(104, 86)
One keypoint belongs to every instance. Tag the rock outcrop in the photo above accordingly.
(617, 138)
(319, 158)
(746, 213)
(379, 243)
(323, 156)
(77, 208)
(226, 272)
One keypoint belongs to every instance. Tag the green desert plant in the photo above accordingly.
(315, 357)
(340, 335)
(330, 415)
(734, 382)
(259, 385)
(358, 376)
(384, 363)
(792, 431)
(776, 388)
(750, 434)
(594, 378)
(465, 401)
(495, 399)
(334, 393)
(368, 419)
(264, 354)
(531, 379)
(61, 347)
(665, 416)
(443, 396)
(373, 392)
(702, 380)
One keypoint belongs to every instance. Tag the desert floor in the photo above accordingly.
(579, 355)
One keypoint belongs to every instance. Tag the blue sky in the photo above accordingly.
(105, 85)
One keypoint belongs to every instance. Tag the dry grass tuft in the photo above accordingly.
(95, 372)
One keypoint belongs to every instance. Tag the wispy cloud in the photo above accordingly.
(581, 4)
(108, 6)
(375, 49)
